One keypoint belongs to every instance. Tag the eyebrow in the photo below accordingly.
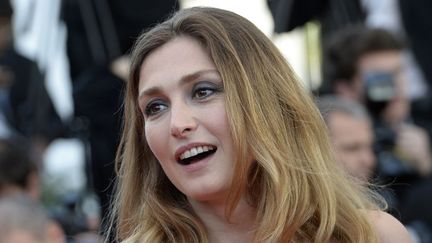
(183, 80)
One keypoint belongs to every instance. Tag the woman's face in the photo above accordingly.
(181, 97)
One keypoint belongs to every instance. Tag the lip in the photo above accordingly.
(197, 166)
(182, 149)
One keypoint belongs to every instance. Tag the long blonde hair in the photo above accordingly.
(299, 192)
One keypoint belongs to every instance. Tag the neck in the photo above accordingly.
(239, 227)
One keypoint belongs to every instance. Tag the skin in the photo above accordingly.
(182, 100)
(353, 140)
(388, 228)
(19, 236)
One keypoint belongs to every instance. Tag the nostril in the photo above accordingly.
(181, 131)
(182, 124)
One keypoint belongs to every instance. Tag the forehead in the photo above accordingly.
(390, 61)
(347, 126)
(178, 57)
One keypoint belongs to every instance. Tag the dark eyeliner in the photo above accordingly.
(151, 105)
(207, 85)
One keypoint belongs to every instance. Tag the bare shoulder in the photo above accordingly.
(388, 228)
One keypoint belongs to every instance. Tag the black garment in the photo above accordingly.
(416, 212)
(97, 97)
(333, 14)
(392, 170)
(99, 31)
(418, 203)
(288, 14)
(32, 112)
(417, 22)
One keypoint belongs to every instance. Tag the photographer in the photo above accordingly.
(366, 65)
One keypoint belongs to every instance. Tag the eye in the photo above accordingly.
(205, 89)
(154, 108)
(202, 93)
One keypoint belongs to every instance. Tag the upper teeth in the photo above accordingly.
(194, 151)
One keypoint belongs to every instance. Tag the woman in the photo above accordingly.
(222, 144)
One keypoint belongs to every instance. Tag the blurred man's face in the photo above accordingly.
(353, 140)
(389, 62)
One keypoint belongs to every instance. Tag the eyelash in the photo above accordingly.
(151, 105)
(208, 91)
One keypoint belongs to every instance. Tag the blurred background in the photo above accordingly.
(63, 65)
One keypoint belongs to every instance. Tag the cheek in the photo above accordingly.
(219, 122)
(156, 140)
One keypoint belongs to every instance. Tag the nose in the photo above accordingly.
(183, 121)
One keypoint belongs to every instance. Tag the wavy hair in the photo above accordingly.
(299, 192)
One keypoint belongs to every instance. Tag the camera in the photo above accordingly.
(380, 88)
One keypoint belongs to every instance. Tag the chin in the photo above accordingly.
(207, 194)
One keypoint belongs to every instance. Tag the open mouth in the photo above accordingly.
(196, 154)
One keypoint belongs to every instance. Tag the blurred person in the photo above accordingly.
(365, 65)
(404, 18)
(19, 177)
(18, 173)
(396, 17)
(412, 20)
(25, 105)
(30, 109)
(351, 133)
(23, 220)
